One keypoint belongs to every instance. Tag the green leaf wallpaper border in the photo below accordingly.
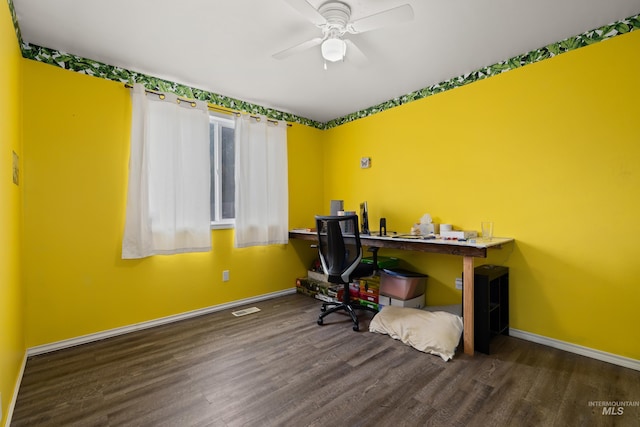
(110, 72)
(585, 39)
(14, 18)
(97, 69)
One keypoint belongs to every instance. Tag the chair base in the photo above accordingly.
(346, 306)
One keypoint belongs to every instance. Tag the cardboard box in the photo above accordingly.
(369, 288)
(326, 298)
(402, 284)
(369, 304)
(318, 276)
(305, 283)
(305, 291)
(334, 291)
(369, 284)
(369, 297)
(417, 302)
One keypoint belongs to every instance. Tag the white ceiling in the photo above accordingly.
(226, 47)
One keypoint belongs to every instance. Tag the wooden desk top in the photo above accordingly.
(477, 249)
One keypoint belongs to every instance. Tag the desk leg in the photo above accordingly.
(467, 302)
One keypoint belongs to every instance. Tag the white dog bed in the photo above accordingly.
(434, 332)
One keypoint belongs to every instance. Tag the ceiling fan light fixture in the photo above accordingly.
(334, 49)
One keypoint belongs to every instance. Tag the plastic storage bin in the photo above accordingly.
(402, 284)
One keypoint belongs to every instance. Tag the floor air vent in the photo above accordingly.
(245, 311)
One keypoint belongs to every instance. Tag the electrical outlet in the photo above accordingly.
(225, 276)
(458, 282)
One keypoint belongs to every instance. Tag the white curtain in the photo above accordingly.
(262, 193)
(168, 209)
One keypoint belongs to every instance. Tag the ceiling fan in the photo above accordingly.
(334, 19)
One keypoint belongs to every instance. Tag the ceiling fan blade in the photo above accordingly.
(298, 48)
(354, 54)
(382, 19)
(307, 11)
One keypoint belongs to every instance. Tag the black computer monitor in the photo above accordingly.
(364, 218)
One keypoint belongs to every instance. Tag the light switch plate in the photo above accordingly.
(16, 169)
(365, 162)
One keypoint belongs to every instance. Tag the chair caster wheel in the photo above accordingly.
(356, 328)
(320, 322)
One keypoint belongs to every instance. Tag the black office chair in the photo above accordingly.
(341, 261)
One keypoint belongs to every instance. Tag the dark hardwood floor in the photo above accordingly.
(279, 368)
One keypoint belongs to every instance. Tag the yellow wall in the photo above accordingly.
(549, 152)
(11, 302)
(76, 142)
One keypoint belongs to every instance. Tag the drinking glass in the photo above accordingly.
(487, 230)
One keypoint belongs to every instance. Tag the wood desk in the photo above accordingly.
(468, 251)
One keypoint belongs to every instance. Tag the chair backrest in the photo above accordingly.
(338, 260)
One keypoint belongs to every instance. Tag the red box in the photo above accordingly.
(354, 290)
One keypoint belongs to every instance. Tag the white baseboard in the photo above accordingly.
(16, 389)
(626, 362)
(72, 342)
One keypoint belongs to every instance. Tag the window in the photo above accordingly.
(222, 152)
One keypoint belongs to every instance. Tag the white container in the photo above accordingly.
(417, 302)
(458, 234)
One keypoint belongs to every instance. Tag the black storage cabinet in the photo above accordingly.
(491, 304)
